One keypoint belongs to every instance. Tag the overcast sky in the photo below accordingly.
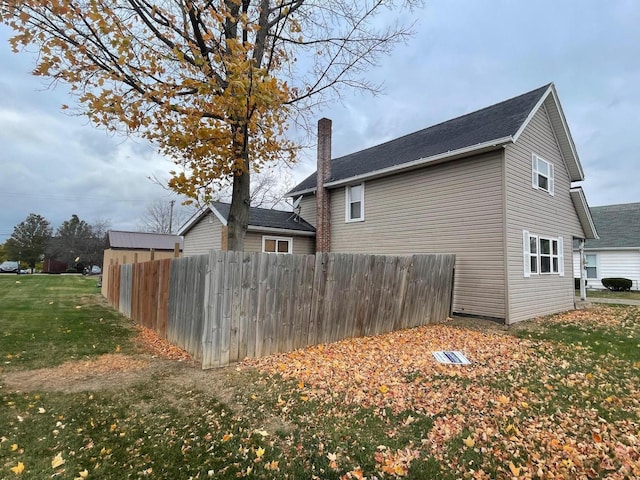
(466, 54)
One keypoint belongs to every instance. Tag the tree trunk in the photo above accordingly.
(240, 202)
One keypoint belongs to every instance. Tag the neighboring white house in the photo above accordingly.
(617, 252)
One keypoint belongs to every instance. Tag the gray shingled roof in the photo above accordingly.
(618, 226)
(264, 217)
(142, 240)
(491, 123)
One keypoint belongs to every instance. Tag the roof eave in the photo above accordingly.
(288, 231)
(305, 191)
(584, 214)
(426, 161)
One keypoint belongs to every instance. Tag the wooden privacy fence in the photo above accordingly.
(226, 306)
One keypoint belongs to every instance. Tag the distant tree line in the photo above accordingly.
(74, 242)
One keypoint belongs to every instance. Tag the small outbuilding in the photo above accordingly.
(134, 247)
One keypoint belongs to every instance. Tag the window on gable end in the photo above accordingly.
(542, 174)
(354, 205)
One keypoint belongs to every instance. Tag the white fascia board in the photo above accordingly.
(195, 218)
(218, 215)
(567, 132)
(532, 113)
(281, 231)
(582, 209)
(435, 159)
(301, 192)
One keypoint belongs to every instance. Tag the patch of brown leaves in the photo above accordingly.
(397, 370)
(149, 340)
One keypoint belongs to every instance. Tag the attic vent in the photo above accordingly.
(451, 357)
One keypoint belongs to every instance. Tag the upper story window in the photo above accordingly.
(354, 207)
(542, 176)
(542, 255)
(277, 244)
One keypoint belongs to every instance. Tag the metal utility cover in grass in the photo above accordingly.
(451, 357)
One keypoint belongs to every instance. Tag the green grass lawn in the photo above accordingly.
(632, 295)
(79, 398)
(47, 320)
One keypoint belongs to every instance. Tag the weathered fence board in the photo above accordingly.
(225, 306)
(126, 272)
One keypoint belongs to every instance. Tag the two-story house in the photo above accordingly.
(493, 187)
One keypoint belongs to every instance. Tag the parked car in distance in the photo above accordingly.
(9, 267)
(94, 270)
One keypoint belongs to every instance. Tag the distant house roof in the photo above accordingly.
(142, 240)
(618, 227)
(260, 219)
(485, 129)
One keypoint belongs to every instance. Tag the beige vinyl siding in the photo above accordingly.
(450, 208)
(541, 214)
(204, 236)
(308, 208)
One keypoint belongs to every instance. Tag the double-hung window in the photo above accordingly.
(277, 244)
(592, 266)
(354, 205)
(542, 176)
(542, 255)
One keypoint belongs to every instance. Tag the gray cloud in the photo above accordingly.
(465, 55)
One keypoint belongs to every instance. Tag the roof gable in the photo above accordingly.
(472, 133)
(618, 227)
(259, 218)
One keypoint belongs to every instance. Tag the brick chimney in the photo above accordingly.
(323, 199)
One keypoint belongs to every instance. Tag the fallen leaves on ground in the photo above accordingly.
(523, 408)
(150, 341)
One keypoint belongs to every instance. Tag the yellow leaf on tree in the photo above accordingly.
(57, 461)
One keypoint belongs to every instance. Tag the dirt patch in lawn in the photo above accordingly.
(105, 372)
(158, 360)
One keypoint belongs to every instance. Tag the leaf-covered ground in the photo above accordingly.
(554, 398)
(529, 407)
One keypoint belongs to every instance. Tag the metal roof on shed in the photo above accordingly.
(142, 240)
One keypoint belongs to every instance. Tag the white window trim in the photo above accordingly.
(289, 241)
(534, 174)
(596, 266)
(349, 201)
(527, 255)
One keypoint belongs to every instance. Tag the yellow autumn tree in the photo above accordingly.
(214, 84)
